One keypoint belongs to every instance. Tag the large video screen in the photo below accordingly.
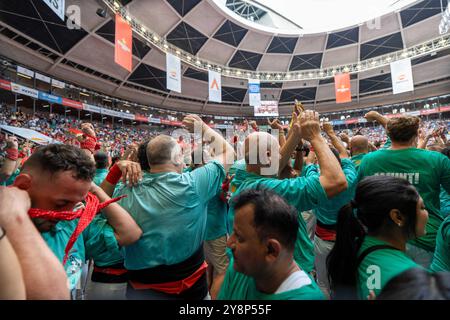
(267, 109)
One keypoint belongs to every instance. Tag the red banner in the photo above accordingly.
(163, 121)
(5, 84)
(342, 87)
(123, 47)
(141, 118)
(72, 103)
(444, 109)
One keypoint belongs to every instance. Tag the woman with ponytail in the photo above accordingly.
(371, 236)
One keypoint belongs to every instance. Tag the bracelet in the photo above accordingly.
(3, 233)
(114, 175)
(12, 154)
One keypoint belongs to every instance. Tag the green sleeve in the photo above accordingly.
(208, 180)
(101, 243)
(445, 172)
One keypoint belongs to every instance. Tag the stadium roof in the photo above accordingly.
(32, 35)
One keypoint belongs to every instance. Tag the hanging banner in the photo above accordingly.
(6, 85)
(58, 7)
(72, 103)
(123, 44)
(342, 88)
(42, 77)
(24, 90)
(25, 71)
(50, 97)
(173, 77)
(215, 86)
(58, 84)
(402, 79)
(254, 92)
(267, 109)
(90, 107)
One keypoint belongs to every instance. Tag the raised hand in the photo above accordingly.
(309, 125)
(191, 121)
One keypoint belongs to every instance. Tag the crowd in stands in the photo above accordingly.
(304, 212)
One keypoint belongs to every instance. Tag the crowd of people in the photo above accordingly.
(303, 212)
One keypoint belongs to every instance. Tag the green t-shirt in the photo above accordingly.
(441, 258)
(216, 220)
(380, 266)
(170, 208)
(303, 193)
(100, 175)
(11, 179)
(237, 286)
(239, 164)
(358, 158)
(327, 211)
(445, 203)
(100, 232)
(426, 170)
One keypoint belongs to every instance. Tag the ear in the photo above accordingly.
(397, 217)
(23, 181)
(273, 249)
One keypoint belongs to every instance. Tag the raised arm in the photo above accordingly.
(328, 129)
(375, 116)
(43, 274)
(223, 151)
(332, 177)
(10, 163)
(125, 228)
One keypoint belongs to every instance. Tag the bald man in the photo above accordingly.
(168, 262)
(359, 147)
(262, 155)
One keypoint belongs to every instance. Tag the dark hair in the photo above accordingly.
(101, 160)
(403, 129)
(375, 197)
(54, 158)
(417, 284)
(142, 155)
(273, 216)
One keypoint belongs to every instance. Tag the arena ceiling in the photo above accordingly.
(34, 36)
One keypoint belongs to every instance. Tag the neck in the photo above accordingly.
(402, 145)
(358, 152)
(256, 169)
(396, 239)
(281, 271)
(160, 168)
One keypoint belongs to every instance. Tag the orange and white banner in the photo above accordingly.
(342, 87)
(215, 86)
(123, 48)
(173, 67)
(402, 78)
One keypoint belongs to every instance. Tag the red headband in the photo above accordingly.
(92, 206)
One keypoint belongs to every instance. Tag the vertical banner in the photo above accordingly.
(58, 7)
(342, 88)
(402, 79)
(254, 92)
(215, 86)
(173, 67)
(123, 51)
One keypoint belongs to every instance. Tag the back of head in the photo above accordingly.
(55, 158)
(101, 160)
(359, 144)
(417, 284)
(370, 212)
(403, 129)
(273, 216)
(163, 150)
(142, 155)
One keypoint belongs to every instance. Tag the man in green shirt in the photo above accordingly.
(101, 164)
(426, 170)
(359, 147)
(262, 243)
(304, 193)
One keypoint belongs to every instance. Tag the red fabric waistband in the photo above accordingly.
(112, 271)
(325, 234)
(174, 287)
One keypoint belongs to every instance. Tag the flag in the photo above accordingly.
(173, 67)
(401, 73)
(123, 46)
(254, 92)
(342, 88)
(215, 86)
